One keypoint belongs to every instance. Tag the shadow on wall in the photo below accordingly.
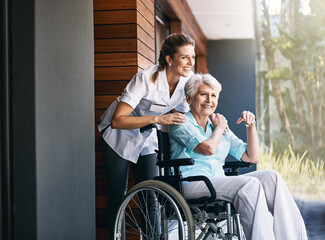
(313, 214)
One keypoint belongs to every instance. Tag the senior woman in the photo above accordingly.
(206, 138)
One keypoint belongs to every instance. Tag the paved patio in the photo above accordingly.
(313, 213)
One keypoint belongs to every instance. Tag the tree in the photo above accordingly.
(301, 41)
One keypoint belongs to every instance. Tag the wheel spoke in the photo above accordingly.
(150, 212)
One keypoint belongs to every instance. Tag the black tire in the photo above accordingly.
(173, 216)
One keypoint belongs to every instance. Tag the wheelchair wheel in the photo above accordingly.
(153, 210)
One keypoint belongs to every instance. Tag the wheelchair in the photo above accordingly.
(156, 209)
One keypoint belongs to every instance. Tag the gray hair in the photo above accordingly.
(197, 79)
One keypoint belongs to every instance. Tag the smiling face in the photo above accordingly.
(204, 102)
(183, 61)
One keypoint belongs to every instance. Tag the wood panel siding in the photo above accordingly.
(116, 45)
(123, 4)
(114, 4)
(175, 26)
(115, 73)
(103, 101)
(124, 33)
(146, 51)
(115, 59)
(114, 87)
(145, 24)
(115, 31)
(147, 39)
(147, 13)
(124, 45)
(201, 64)
(149, 5)
(115, 17)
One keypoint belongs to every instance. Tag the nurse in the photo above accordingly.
(154, 95)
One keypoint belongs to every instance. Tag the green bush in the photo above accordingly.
(304, 177)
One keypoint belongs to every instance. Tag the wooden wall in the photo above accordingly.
(124, 33)
(124, 44)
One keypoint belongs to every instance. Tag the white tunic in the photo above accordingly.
(146, 98)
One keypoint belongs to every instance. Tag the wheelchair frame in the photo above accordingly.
(155, 209)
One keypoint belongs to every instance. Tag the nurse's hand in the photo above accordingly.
(171, 119)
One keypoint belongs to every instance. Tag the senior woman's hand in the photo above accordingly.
(248, 117)
(218, 120)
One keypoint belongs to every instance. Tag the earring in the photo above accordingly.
(170, 64)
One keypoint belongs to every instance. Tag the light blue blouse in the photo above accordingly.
(185, 137)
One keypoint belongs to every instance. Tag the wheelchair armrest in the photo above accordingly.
(208, 183)
(176, 162)
(237, 164)
(234, 166)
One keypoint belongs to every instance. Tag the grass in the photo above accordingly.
(304, 177)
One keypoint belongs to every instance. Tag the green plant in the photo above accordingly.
(304, 177)
(293, 47)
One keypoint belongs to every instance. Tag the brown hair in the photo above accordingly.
(170, 47)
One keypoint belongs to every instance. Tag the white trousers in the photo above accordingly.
(255, 195)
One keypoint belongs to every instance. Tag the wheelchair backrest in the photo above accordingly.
(163, 145)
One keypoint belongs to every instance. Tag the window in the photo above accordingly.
(162, 29)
